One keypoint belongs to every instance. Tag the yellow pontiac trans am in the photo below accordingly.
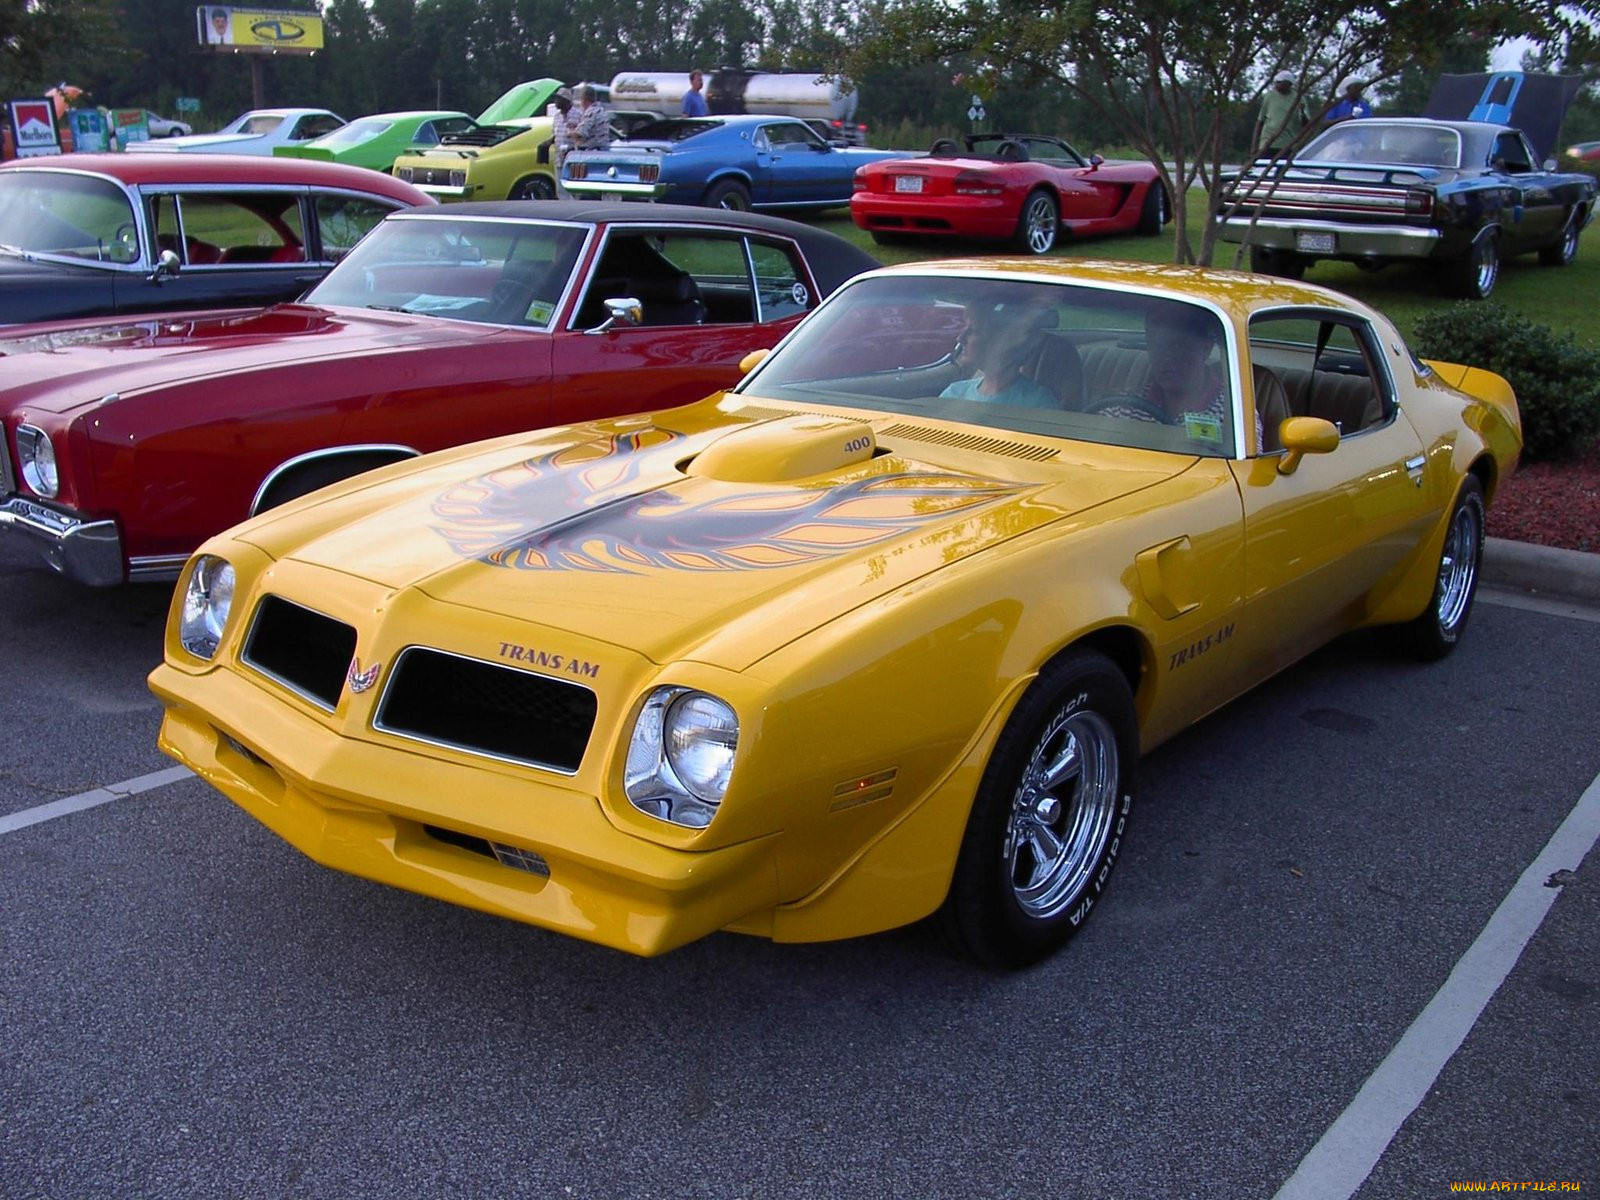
(880, 633)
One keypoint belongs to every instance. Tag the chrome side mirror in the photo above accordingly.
(166, 266)
(620, 311)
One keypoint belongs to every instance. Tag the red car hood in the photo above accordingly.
(61, 367)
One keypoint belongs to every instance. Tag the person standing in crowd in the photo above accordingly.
(560, 137)
(694, 101)
(589, 127)
(1283, 116)
(1350, 105)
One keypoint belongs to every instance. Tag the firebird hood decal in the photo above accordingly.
(609, 538)
(488, 518)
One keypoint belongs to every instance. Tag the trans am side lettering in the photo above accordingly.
(1182, 658)
(550, 662)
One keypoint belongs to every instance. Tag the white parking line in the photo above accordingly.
(114, 791)
(1339, 1164)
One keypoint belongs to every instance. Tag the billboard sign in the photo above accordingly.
(33, 126)
(258, 30)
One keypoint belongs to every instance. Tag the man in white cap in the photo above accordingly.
(1283, 116)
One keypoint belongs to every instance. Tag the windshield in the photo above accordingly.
(74, 216)
(1091, 364)
(493, 272)
(1369, 141)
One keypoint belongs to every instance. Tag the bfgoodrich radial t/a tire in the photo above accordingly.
(1050, 815)
(1435, 633)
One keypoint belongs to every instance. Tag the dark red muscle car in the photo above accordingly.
(1017, 186)
(127, 443)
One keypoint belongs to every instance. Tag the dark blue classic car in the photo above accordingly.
(738, 162)
(86, 235)
(1464, 194)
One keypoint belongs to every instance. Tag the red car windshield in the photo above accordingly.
(493, 272)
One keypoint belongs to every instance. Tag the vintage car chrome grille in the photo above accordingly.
(305, 651)
(485, 708)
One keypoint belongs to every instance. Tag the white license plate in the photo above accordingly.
(908, 183)
(1315, 243)
(610, 197)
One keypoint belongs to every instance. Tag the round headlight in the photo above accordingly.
(701, 736)
(681, 756)
(206, 604)
(38, 459)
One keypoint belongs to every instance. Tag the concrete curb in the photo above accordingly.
(1570, 574)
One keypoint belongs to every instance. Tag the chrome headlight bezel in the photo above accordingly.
(681, 756)
(207, 605)
(36, 456)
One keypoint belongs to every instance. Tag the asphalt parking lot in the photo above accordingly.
(1352, 951)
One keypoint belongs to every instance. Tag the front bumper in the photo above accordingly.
(1348, 241)
(88, 552)
(447, 830)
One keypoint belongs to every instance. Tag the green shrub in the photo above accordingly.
(1557, 381)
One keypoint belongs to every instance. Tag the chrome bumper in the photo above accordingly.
(1349, 241)
(600, 188)
(89, 552)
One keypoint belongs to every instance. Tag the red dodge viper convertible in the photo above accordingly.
(1019, 186)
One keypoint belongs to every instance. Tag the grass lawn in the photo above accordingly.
(1564, 298)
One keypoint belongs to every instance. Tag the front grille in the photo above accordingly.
(303, 650)
(486, 708)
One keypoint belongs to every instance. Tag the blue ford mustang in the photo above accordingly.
(738, 162)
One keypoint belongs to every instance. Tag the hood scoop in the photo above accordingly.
(789, 448)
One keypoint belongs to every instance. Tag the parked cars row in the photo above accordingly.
(635, 668)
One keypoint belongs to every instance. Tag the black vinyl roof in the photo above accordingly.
(833, 260)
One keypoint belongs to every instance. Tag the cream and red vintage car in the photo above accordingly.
(879, 633)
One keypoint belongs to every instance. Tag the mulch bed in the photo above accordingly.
(1551, 504)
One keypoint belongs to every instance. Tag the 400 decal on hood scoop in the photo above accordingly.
(675, 537)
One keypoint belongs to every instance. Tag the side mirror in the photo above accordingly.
(1302, 436)
(621, 310)
(166, 266)
(752, 360)
(1095, 160)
